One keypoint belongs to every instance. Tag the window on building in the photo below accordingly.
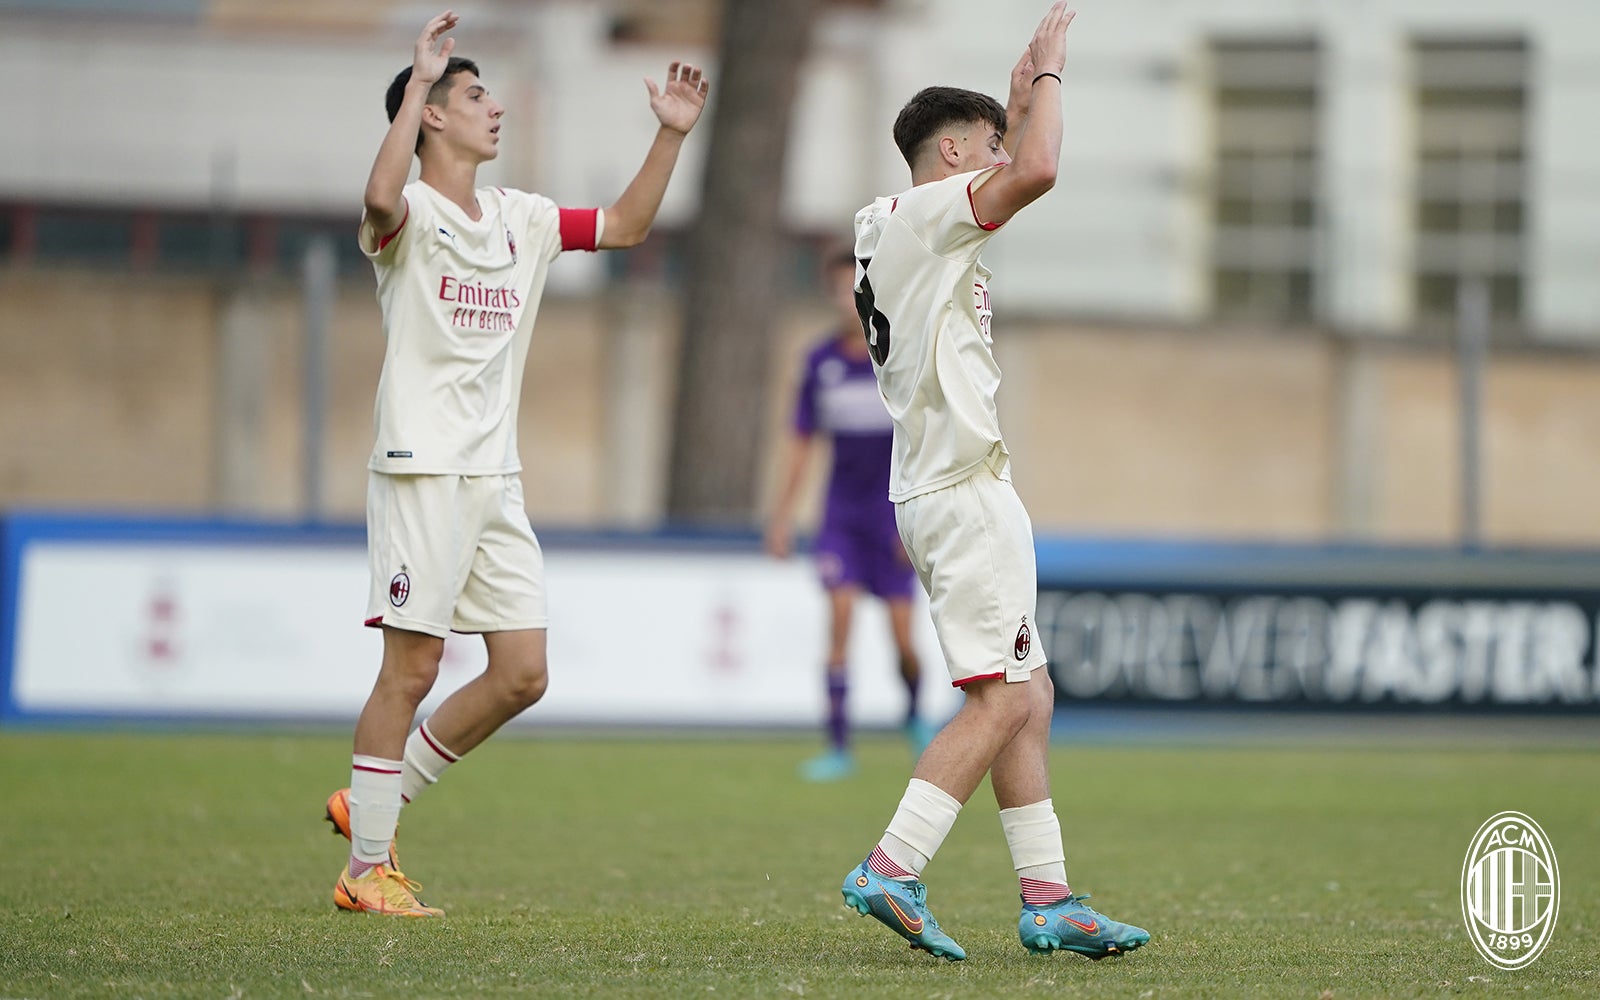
(294, 237)
(83, 236)
(1471, 115)
(1264, 198)
(198, 243)
(1264, 172)
(177, 241)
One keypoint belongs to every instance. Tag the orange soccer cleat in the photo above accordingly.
(383, 891)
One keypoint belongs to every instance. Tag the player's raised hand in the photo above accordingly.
(1049, 46)
(433, 55)
(679, 103)
(1021, 96)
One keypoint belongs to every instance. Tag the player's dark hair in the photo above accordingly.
(437, 94)
(937, 108)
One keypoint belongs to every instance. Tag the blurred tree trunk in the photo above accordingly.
(735, 252)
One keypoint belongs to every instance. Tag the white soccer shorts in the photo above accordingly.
(452, 553)
(972, 546)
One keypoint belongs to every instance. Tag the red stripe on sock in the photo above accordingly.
(373, 770)
(441, 751)
(885, 866)
(1037, 892)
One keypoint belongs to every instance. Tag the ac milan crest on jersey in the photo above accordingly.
(1024, 640)
(511, 244)
(399, 589)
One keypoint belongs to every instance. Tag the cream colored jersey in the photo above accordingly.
(925, 298)
(459, 298)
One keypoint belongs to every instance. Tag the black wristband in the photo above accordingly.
(1041, 76)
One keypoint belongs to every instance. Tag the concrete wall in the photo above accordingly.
(109, 398)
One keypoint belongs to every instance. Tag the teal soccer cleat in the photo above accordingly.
(1071, 926)
(835, 765)
(902, 907)
(919, 733)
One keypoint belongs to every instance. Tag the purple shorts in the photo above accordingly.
(871, 558)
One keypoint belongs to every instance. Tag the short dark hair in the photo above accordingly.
(437, 94)
(936, 108)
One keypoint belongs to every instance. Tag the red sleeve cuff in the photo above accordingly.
(580, 228)
(384, 241)
(987, 227)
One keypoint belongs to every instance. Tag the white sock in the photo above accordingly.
(374, 808)
(926, 814)
(1033, 832)
(425, 760)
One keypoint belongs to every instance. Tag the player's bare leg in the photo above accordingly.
(841, 612)
(918, 731)
(1020, 776)
(370, 882)
(1020, 772)
(837, 762)
(516, 678)
(410, 668)
(992, 714)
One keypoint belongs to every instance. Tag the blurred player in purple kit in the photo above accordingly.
(857, 546)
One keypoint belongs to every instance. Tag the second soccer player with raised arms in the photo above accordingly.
(923, 296)
(460, 271)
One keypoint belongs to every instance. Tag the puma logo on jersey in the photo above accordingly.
(448, 233)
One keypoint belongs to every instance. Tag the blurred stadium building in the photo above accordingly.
(1235, 316)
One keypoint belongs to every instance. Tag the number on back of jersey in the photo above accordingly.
(873, 323)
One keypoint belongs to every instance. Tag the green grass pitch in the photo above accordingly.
(182, 865)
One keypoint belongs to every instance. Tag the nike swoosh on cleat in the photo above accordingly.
(912, 924)
(1092, 927)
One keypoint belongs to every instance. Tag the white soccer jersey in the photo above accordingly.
(459, 298)
(927, 297)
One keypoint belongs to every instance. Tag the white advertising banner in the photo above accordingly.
(256, 631)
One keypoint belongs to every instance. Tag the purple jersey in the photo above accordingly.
(857, 543)
(839, 397)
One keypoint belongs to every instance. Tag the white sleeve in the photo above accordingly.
(389, 249)
(944, 218)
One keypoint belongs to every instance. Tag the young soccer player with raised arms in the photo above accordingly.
(460, 271)
(923, 296)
